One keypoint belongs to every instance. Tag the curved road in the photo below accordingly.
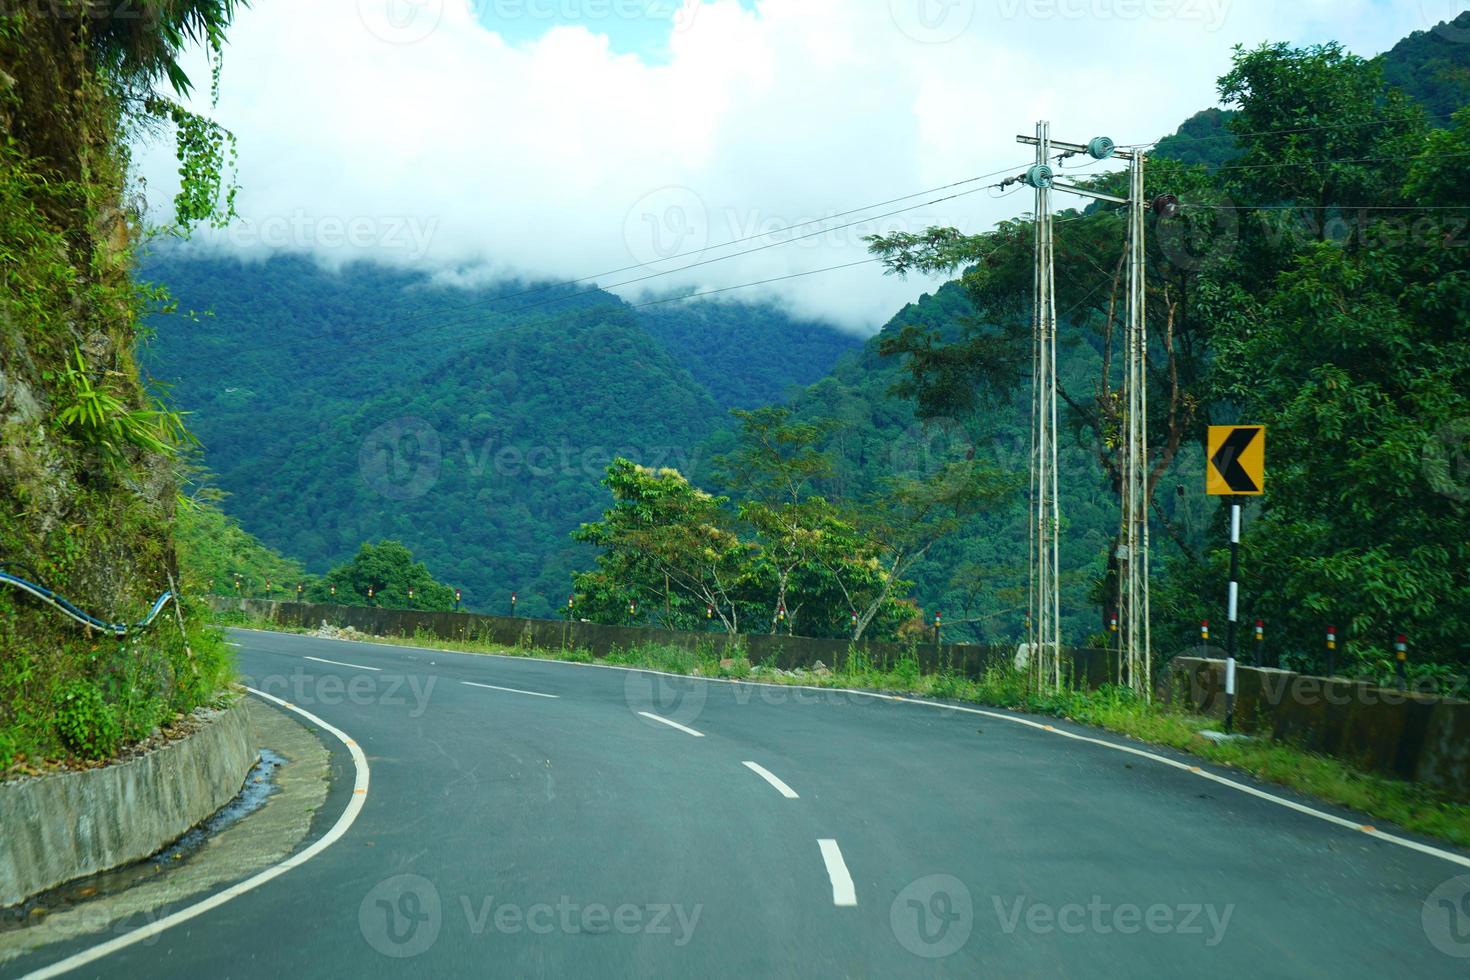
(531, 818)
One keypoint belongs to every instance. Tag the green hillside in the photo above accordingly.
(334, 410)
(1433, 67)
(746, 354)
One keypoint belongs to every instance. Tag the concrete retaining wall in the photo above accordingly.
(1416, 737)
(69, 825)
(786, 652)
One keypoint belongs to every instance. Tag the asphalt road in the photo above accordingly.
(529, 818)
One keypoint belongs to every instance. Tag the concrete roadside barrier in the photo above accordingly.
(62, 826)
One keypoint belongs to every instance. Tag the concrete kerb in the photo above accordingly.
(63, 826)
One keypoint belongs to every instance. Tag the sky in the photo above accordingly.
(560, 139)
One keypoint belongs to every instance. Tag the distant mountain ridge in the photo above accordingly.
(474, 425)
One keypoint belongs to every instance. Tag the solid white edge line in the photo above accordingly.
(844, 893)
(672, 724)
(1412, 845)
(339, 663)
(512, 690)
(349, 814)
(771, 778)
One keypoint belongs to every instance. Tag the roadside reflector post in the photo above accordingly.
(1257, 658)
(938, 623)
(1331, 650)
(1204, 631)
(1401, 660)
(456, 600)
(512, 603)
(299, 589)
(1231, 606)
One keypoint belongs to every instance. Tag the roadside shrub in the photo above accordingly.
(85, 722)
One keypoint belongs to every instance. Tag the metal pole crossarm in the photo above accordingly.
(1087, 193)
(1121, 154)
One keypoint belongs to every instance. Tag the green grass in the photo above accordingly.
(1411, 806)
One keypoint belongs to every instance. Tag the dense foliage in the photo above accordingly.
(1314, 282)
(746, 355)
(218, 557)
(88, 469)
(673, 555)
(383, 573)
(1433, 67)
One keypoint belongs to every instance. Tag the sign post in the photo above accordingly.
(1236, 468)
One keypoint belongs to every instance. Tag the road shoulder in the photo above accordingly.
(259, 840)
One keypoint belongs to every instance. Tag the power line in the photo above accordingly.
(701, 250)
(1280, 132)
(1345, 208)
(758, 282)
(733, 255)
(1330, 163)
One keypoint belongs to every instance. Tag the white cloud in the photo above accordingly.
(407, 132)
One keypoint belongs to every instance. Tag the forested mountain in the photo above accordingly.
(1433, 67)
(474, 425)
(746, 354)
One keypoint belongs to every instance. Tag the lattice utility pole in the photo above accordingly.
(1045, 513)
(1045, 518)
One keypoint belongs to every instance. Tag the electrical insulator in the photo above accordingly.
(1166, 206)
(1039, 176)
(1099, 147)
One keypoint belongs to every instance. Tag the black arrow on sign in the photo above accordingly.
(1227, 460)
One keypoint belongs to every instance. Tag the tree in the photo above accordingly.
(773, 467)
(388, 571)
(906, 520)
(666, 540)
(1357, 359)
(1316, 127)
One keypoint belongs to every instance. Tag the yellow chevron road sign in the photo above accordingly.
(1236, 461)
